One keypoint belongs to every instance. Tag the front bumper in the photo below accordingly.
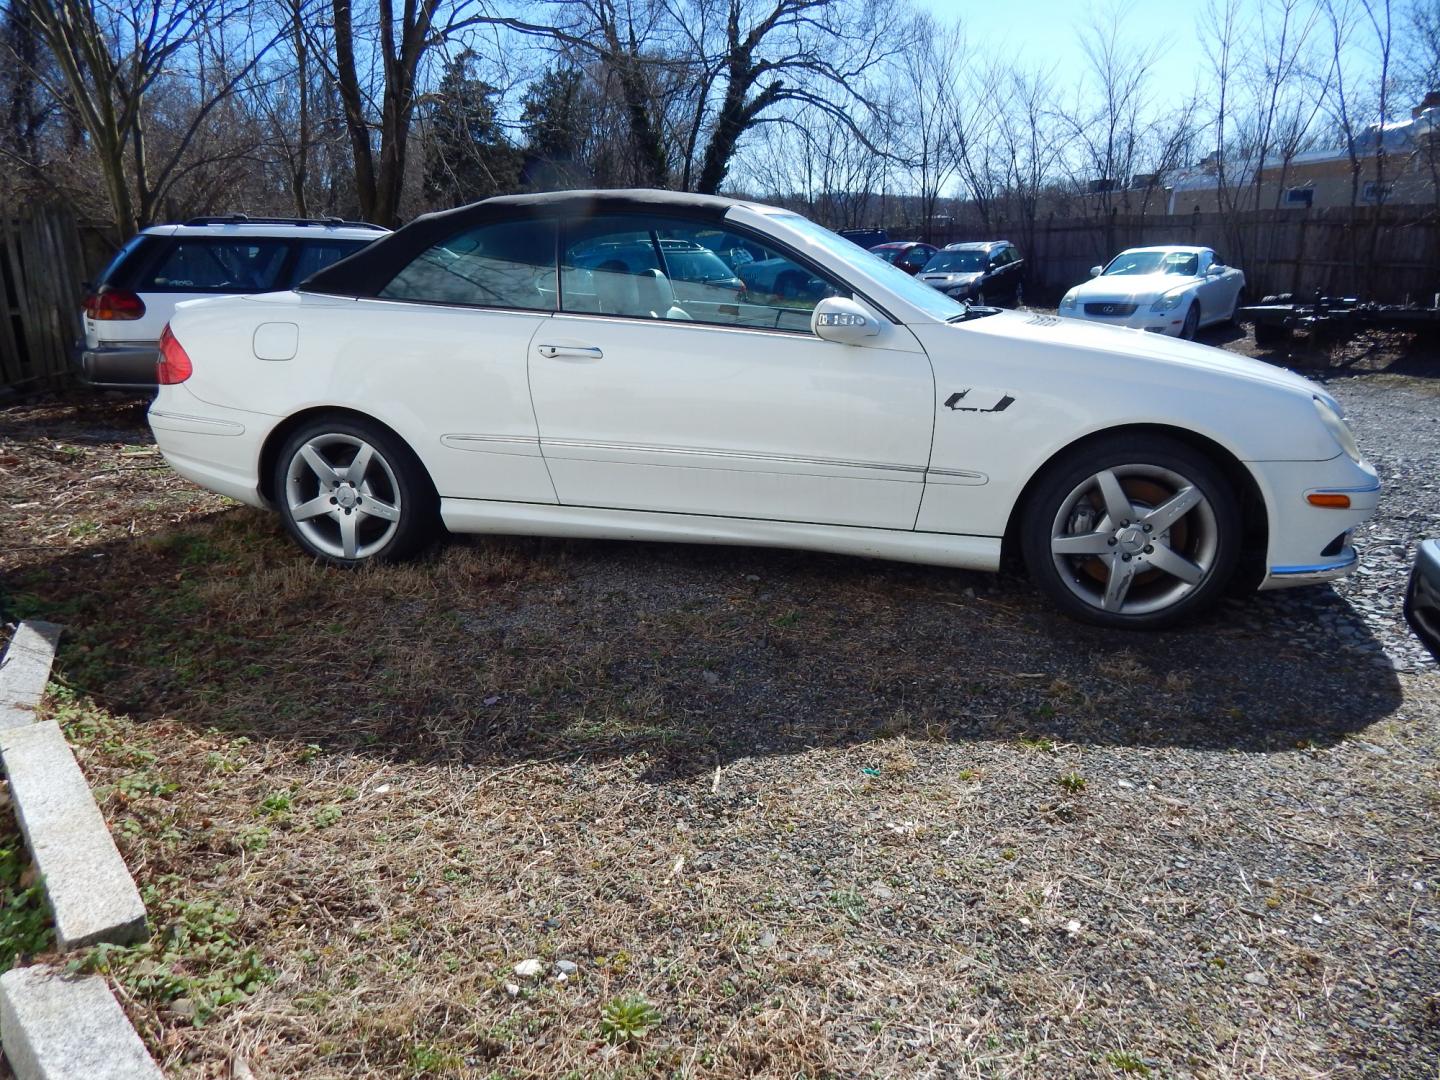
(1310, 544)
(1155, 322)
(119, 367)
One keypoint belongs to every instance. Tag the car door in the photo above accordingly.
(1213, 290)
(442, 352)
(1227, 289)
(717, 404)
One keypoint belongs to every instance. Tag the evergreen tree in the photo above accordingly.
(467, 154)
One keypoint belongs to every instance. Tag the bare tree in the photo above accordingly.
(1360, 113)
(1109, 133)
(1033, 140)
(113, 55)
(926, 117)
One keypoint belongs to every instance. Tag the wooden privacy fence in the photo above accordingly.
(1389, 255)
(42, 266)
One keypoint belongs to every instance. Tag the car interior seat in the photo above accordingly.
(657, 296)
(616, 290)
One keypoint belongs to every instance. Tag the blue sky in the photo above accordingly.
(1047, 32)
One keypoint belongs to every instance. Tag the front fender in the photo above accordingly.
(1066, 381)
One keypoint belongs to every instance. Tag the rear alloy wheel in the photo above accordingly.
(350, 493)
(1191, 326)
(1139, 533)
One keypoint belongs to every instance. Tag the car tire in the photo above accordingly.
(1171, 556)
(1191, 326)
(386, 513)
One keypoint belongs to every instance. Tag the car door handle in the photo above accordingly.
(589, 352)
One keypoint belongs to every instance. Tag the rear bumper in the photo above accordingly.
(119, 367)
(218, 449)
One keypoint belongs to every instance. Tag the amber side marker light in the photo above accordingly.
(1329, 499)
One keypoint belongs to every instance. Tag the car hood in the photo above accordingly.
(1138, 345)
(1132, 289)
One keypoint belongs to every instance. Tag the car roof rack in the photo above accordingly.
(246, 219)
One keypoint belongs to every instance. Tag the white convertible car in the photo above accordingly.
(1166, 290)
(484, 370)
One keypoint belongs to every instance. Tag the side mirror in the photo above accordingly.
(1214, 269)
(1095, 271)
(837, 318)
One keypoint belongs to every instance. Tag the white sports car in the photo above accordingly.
(474, 370)
(1167, 290)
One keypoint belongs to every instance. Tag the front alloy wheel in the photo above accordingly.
(1136, 536)
(350, 494)
(1191, 326)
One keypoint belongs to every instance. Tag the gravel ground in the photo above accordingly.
(832, 818)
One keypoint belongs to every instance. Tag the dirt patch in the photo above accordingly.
(829, 817)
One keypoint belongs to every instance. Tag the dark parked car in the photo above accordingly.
(909, 256)
(983, 272)
(1422, 599)
(866, 238)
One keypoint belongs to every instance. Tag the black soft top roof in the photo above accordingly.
(370, 270)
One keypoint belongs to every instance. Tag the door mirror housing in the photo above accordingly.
(1215, 269)
(1095, 271)
(838, 318)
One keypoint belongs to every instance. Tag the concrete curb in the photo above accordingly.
(89, 890)
(24, 671)
(56, 1027)
(53, 1027)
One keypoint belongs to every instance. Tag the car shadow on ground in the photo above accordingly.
(1221, 335)
(498, 651)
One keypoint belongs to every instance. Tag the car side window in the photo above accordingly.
(315, 255)
(659, 267)
(508, 264)
(241, 265)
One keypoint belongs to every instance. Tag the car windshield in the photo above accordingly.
(948, 262)
(931, 301)
(1183, 263)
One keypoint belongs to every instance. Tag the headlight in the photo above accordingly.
(1069, 299)
(1168, 303)
(1336, 425)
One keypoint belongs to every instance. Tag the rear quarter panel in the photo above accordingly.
(428, 372)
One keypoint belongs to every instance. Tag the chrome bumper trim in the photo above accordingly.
(1317, 572)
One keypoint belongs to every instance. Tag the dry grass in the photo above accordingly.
(832, 818)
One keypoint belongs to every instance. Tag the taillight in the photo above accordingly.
(111, 304)
(174, 364)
